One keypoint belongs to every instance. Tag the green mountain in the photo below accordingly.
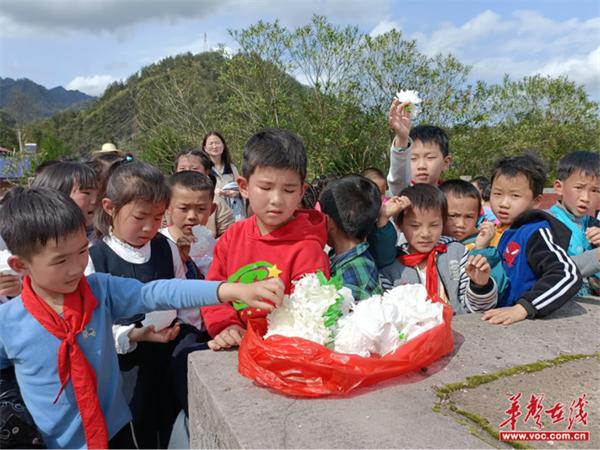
(160, 109)
(27, 101)
(149, 100)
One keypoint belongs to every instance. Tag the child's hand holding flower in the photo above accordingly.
(266, 294)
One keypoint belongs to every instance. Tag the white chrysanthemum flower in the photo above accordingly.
(379, 325)
(301, 314)
(413, 98)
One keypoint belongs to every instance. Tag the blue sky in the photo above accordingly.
(85, 44)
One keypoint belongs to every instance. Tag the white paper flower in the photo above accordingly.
(413, 98)
(301, 314)
(381, 324)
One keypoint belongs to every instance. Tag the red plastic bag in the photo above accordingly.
(299, 367)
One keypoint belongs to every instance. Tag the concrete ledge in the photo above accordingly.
(230, 411)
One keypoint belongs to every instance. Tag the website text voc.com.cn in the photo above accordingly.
(544, 435)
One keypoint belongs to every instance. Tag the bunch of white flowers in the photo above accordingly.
(413, 98)
(381, 324)
(303, 314)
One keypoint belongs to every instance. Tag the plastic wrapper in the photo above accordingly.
(298, 367)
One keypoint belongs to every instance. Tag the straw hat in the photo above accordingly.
(108, 148)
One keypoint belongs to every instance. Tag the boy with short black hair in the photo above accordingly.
(351, 205)
(532, 246)
(197, 160)
(464, 209)
(279, 240)
(191, 204)
(464, 206)
(57, 333)
(417, 155)
(440, 263)
(578, 184)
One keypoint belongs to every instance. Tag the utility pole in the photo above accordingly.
(20, 140)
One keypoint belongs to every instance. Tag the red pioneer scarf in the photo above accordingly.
(414, 259)
(72, 364)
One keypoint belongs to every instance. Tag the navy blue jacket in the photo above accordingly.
(533, 251)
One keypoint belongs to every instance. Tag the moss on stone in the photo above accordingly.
(478, 380)
(445, 403)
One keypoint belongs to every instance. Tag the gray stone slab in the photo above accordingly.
(490, 400)
(230, 411)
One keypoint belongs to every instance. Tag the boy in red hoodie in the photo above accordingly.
(279, 240)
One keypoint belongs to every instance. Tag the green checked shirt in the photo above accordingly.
(358, 271)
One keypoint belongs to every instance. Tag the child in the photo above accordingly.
(57, 334)
(441, 264)
(541, 275)
(76, 180)
(483, 186)
(377, 177)
(278, 240)
(425, 147)
(351, 205)
(133, 206)
(191, 204)
(198, 161)
(464, 207)
(578, 185)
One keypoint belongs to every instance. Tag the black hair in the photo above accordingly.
(320, 182)
(225, 156)
(461, 189)
(429, 134)
(131, 181)
(109, 157)
(192, 180)
(44, 165)
(528, 165)
(588, 163)
(353, 203)
(65, 176)
(310, 199)
(373, 172)
(425, 197)
(277, 148)
(484, 185)
(200, 154)
(29, 218)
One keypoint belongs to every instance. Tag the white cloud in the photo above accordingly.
(93, 85)
(525, 43)
(584, 70)
(19, 17)
(384, 26)
(96, 16)
(450, 38)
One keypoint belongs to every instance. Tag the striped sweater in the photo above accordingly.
(463, 295)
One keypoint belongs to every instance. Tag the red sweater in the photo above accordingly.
(296, 249)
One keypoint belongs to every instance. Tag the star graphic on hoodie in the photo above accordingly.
(274, 272)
